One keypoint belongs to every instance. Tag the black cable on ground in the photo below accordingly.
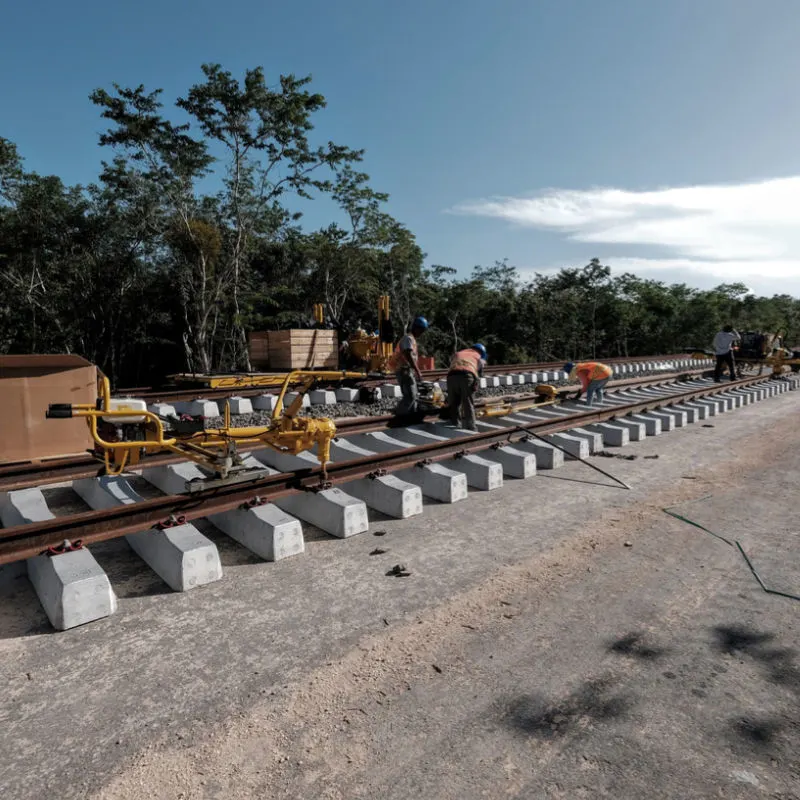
(697, 525)
(574, 458)
(760, 582)
(735, 543)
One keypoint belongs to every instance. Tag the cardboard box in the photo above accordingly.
(28, 384)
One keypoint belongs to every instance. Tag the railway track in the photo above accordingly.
(428, 459)
(174, 394)
(24, 475)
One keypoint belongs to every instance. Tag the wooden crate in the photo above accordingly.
(258, 342)
(303, 349)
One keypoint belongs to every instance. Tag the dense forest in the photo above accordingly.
(193, 235)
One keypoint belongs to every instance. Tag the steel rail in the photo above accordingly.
(173, 394)
(25, 475)
(25, 541)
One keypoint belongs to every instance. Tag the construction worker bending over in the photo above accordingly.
(593, 377)
(404, 365)
(723, 350)
(462, 381)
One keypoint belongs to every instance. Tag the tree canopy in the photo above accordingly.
(192, 236)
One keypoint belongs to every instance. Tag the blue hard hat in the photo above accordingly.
(568, 367)
(420, 322)
(481, 349)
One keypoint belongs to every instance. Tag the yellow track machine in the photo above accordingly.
(124, 430)
(374, 350)
(757, 350)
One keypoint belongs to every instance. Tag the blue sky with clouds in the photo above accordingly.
(661, 137)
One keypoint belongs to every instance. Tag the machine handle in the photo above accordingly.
(59, 411)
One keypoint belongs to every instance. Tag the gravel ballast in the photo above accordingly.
(387, 406)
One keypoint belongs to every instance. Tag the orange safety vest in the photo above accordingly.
(589, 371)
(398, 359)
(466, 361)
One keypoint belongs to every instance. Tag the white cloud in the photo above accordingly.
(730, 232)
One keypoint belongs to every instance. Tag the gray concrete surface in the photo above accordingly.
(558, 637)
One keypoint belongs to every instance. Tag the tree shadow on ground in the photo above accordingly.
(633, 645)
(595, 701)
(756, 732)
(779, 663)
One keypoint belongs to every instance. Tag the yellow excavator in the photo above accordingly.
(123, 431)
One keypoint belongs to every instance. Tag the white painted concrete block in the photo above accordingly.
(595, 440)
(346, 395)
(519, 379)
(654, 422)
(516, 463)
(726, 402)
(712, 406)
(492, 381)
(438, 482)
(181, 556)
(322, 397)
(391, 391)
(23, 507)
(388, 494)
(285, 462)
(72, 587)
(171, 478)
(481, 474)
(265, 402)
(637, 430)
(331, 510)
(547, 457)
(290, 397)
(240, 405)
(505, 380)
(736, 400)
(680, 417)
(163, 409)
(202, 408)
(692, 414)
(575, 446)
(266, 530)
(746, 397)
(345, 449)
(613, 435)
(701, 411)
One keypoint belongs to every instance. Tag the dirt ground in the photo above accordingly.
(558, 637)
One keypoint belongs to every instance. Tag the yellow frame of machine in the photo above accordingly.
(286, 432)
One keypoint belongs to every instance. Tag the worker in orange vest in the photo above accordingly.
(406, 369)
(593, 377)
(462, 381)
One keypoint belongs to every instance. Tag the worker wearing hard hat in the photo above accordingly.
(405, 367)
(466, 367)
(593, 377)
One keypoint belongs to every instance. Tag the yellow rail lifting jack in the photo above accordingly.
(123, 431)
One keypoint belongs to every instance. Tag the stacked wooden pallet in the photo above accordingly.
(294, 349)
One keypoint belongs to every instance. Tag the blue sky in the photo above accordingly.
(542, 131)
